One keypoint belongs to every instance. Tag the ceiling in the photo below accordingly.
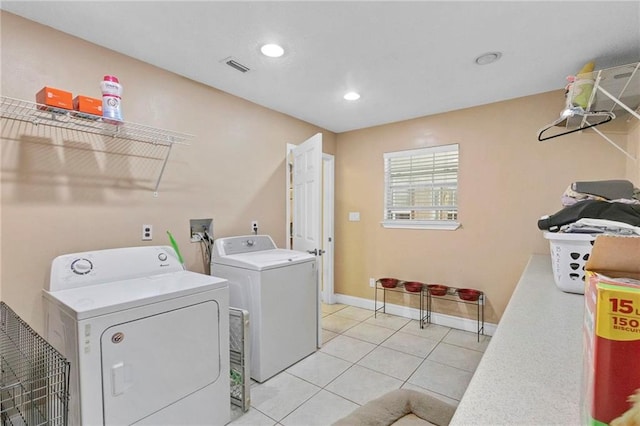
(406, 59)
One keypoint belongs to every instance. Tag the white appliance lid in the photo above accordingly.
(94, 300)
(265, 259)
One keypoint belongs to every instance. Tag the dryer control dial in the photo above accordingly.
(81, 266)
(162, 257)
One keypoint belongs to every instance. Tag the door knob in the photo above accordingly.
(316, 252)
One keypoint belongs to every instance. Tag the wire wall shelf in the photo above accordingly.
(39, 114)
(34, 377)
(31, 112)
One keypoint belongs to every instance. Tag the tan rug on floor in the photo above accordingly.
(401, 407)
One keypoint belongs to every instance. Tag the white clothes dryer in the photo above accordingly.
(279, 288)
(148, 341)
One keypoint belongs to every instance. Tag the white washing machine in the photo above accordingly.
(279, 288)
(147, 340)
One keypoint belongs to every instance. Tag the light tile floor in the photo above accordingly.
(362, 358)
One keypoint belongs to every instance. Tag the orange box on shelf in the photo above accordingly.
(87, 105)
(55, 98)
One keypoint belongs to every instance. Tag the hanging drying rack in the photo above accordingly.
(616, 88)
(571, 112)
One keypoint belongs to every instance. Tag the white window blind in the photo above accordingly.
(421, 188)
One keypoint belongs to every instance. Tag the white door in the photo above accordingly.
(307, 204)
(307, 195)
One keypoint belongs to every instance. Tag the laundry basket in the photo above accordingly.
(34, 377)
(569, 254)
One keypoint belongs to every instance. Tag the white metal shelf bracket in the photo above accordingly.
(618, 147)
(617, 101)
(164, 164)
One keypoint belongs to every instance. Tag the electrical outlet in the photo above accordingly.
(254, 226)
(147, 232)
(372, 282)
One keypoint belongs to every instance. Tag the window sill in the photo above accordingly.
(422, 224)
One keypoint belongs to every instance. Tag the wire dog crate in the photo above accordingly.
(34, 377)
(239, 358)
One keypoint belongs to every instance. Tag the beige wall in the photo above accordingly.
(64, 191)
(507, 181)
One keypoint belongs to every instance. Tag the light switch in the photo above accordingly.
(354, 216)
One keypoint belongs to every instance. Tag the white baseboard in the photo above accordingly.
(465, 324)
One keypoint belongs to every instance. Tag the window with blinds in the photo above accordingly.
(421, 188)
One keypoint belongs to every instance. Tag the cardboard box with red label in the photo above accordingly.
(611, 394)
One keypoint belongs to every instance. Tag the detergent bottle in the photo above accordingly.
(111, 99)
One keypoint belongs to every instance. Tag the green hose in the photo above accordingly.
(175, 247)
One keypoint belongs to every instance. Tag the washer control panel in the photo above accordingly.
(242, 244)
(97, 267)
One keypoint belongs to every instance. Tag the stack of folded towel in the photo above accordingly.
(609, 206)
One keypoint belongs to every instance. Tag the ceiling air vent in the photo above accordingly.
(236, 65)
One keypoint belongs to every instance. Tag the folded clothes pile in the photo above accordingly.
(610, 207)
(621, 191)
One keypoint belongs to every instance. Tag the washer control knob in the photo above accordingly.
(250, 243)
(162, 257)
(81, 266)
(117, 337)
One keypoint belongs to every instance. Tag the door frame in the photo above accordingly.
(328, 220)
(328, 228)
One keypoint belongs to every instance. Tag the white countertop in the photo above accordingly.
(531, 371)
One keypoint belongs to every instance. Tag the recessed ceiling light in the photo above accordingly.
(272, 50)
(352, 96)
(487, 58)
